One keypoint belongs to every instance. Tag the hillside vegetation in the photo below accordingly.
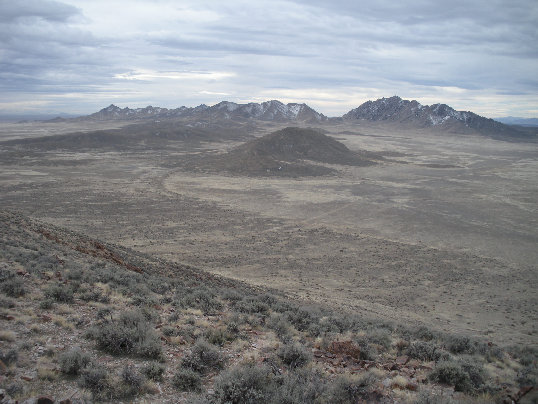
(84, 320)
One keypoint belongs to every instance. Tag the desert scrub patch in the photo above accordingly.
(94, 295)
(9, 357)
(251, 305)
(74, 361)
(154, 371)
(200, 298)
(349, 389)
(465, 376)
(301, 386)
(47, 374)
(60, 293)
(203, 357)
(302, 318)
(131, 383)
(46, 304)
(426, 351)
(219, 336)
(131, 333)
(294, 355)
(247, 384)
(280, 325)
(6, 303)
(8, 336)
(460, 344)
(13, 287)
(96, 379)
(186, 379)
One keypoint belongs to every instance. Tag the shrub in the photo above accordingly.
(94, 296)
(60, 293)
(425, 333)
(219, 336)
(95, 379)
(294, 355)
(452, 373)
(9, 357)
(280, 326)
(251, 305)
(73, 361)
(346, 389)
(367, 352)
(132, 382)
(154, 371)
(425, 351)
(46, 304)
(303, 386)
(15, 389)
(130, 334)
(14, 287)
(6, 303)
(198, 298)
(460, 344)
(244, 385)
(187, 380)
(203, 357)
(301, 318)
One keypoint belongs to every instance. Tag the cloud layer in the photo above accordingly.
(77, 56)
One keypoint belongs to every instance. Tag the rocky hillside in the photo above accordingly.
(87, 321)
(439, 116)
(288, 152)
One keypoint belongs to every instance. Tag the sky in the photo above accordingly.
(78, 56)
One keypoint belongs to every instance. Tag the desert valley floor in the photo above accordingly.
(443, 231)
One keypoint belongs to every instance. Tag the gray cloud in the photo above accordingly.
(45, 9)
(170, 53)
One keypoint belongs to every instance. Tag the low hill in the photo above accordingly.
(135, 136)
(289, 152)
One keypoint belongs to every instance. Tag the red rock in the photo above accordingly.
(10, 318)
(27, 378)
(411, 386)
(66, 401)
(318, 353)
(46, 317)
(413, 363)
(402, 360)
(3, 367)
(523, 392)
(344, 348)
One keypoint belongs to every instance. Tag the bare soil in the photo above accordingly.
(444, 232)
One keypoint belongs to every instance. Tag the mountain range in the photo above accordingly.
(265, 111)
(409, 114)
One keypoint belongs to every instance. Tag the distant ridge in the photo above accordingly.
(514, 120)
(405, 113)
(266, 111)
(439, 116)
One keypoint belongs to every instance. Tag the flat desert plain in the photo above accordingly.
(443, 231)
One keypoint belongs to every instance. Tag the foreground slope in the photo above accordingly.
(83, 319)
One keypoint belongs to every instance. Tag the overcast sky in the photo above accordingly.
(78, 56)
